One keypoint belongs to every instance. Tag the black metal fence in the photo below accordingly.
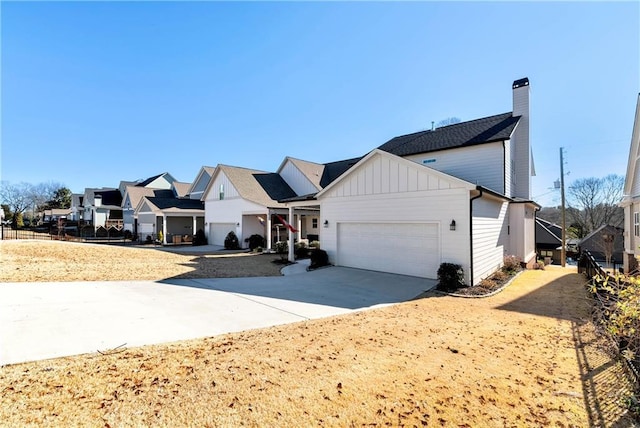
(605, 299)
(68, 234)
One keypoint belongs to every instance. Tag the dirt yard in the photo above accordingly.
(525, 357)
(33, 261)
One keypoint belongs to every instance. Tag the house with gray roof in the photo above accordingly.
(177, 218)
(460, 194)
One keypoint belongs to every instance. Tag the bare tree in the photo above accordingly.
(448, 121)
(594, 202)
(24, 196)
(17, 197)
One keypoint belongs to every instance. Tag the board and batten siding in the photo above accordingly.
(230, 191)
(482, 164)
(387, 190)
(488, 236)
(297, 180)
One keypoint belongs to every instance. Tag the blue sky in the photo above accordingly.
(95, 93)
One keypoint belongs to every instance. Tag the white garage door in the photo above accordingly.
(403, 248)
(219, 231)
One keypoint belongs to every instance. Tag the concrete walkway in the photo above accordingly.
(47, 320)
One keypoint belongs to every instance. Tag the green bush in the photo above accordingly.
(282, 248)
(231, 241)
(450, 277)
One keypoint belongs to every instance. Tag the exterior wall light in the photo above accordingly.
(326, 223)
(452, 226)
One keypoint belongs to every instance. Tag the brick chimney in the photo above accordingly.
(520, 145)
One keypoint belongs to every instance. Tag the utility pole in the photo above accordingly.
(563, 251)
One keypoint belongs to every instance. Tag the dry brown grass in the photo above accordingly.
(33, 261)
(525, 357)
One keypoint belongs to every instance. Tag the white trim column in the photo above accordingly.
(195, 224)
(164, 229)
(269, 230)
(292, 257)
(299, 226)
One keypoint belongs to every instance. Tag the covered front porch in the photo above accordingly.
(178, 228)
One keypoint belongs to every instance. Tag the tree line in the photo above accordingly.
(20, 198)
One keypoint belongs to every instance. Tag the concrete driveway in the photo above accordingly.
(48, 320)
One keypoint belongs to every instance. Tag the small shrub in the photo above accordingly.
(199, 238)
(314, 244)
(255, 241)
(282, 248)
(511, 264)
(319, 258)
(488, 283)
(148, 239)
(231, 241)
(539, 265)
(450, 277)
(500, 276)
(258, 249)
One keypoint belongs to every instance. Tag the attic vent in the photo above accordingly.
(426, 161)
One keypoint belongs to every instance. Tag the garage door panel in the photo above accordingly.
(219, 231)
(402, 248)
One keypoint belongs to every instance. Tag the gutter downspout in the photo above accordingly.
(478, 188)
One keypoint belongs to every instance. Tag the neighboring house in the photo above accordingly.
(459, 194)
(102, 207)
(244, 201)
(605, 241)
(77, 207)
(131, 195)
(54, 214)
(177, 219)
(548, 240)
(197, 188)
(631, 199)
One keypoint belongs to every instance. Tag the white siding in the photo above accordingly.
(230, 192)
(159, 183)
(481, 164)
(520, 140)
(635, 186)
(522, 231)
(297, 180)
(385, 189)
(508, 168)
(489, 216)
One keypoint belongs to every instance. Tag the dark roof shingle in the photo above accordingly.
(479, 131)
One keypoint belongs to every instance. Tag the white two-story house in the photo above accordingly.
(631, 199)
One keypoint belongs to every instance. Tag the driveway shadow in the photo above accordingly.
(333, 286)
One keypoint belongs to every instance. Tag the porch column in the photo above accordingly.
(269, 230)
(193, 230)
(164, 228)
(292, 257)
(299, 227)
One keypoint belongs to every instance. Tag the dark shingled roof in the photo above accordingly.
(185, 204)
(473, 132)
(149, 180)
(334, 170)
(548, 233)
(275, 186)
(109, 197)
